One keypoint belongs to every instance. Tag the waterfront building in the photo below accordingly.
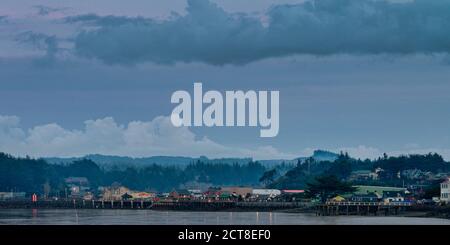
(88, 196)
(265, 194)
(378, 190)
(10, 195)
(243, 192)
(126, 196)
(291, 195)
(212, 193)
(338, 199)
(78, 186)
(393, 196)
(445, 191)
(227, 196)
(196, 193)
(114, 192)
(293, 192)
(142, 196)
(180, 194)
(369, 197)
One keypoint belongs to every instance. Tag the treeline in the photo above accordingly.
(32, 175)
(305, 172)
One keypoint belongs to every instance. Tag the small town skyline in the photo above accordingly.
(326, 184)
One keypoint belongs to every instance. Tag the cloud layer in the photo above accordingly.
(105, 136)
(327, 27)
(148, 138)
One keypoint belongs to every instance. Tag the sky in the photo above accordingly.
(363, 76)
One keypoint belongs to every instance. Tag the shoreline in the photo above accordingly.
(186, 217)
(288, 207)
(405, 214)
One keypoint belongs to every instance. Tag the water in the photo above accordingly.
(150, 217)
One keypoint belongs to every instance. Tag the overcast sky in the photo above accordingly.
(367, 77)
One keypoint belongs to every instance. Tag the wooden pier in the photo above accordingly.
(361, 208)
(78, 204)
(227, 205)
(193, 205)
(326, 209)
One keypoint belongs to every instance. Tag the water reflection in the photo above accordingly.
(34, 212)
(105, 216)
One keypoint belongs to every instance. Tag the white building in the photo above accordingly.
(266, 192)
(11, 195)
(445, 191)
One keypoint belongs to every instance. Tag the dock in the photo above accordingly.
(197, 205)
(228, 205)
(326, 209)
(78, 204)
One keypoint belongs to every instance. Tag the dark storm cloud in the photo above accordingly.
(106, 21)
(327, 27)
(47, 43)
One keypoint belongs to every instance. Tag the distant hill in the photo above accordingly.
(318, 156)
(321, 155)
(123, 161)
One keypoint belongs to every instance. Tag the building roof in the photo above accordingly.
(126, 196)
(364, 189)
(393, 194)
(242, 191)
(367, 195)
(225, 194)
(183, 192)
(338, 199)
(266, 192)
(142, 195)
(76, 180)
(293, 191)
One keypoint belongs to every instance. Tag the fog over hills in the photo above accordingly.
(124, 161)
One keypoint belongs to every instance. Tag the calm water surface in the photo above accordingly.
(149, 217)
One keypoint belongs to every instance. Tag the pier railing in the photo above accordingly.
(391, 204)
(80, 204)
(361, 208)
(227, 205)
(198, 205)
